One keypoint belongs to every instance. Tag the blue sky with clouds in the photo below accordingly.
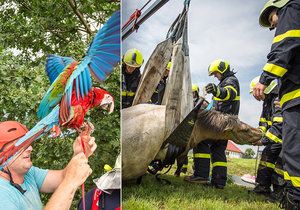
(217, 29)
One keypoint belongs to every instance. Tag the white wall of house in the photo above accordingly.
(231, 154)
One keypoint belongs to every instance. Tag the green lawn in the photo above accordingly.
(152, 194)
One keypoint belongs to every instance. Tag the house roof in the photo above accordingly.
(232, 147)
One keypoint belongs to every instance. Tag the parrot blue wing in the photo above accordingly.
(55, 64)
(35, 133)
(102, 56)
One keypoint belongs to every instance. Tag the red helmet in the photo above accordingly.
(10, 131)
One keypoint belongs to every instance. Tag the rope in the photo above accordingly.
(134, 17)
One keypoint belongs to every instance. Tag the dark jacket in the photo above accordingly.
(158, 95)
(270, 121)
(130, 83)
(284, 58)
(228, 100)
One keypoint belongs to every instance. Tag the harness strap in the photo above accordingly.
(96, 195)
(17, 186)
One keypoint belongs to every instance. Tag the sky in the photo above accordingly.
(216, 29)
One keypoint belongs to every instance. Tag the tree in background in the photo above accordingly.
(249, 153)
(29, 31)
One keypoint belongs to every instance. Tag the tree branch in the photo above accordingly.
(80, 16)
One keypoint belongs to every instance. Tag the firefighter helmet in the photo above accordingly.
(268, 89)
(218, 66)
(195, 88)
(10, 131)
(267, 9)
(133, 57)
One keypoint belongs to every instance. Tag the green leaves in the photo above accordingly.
(30, 30)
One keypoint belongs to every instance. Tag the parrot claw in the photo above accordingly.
(86, 129)
(55, 131)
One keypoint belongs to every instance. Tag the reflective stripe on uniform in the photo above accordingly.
(274, 138)
(263, 128)
(274, 69)
(184, 166)
(264, 120)
(201, 155)
(128, 93)
(277, 119)
(289, 96)
(224, 164)
(267, 164)
(279, 171)
(294, 179)
(288, 34)
(237, 98)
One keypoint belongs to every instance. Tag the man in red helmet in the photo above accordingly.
(21, 182)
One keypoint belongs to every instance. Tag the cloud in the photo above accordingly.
(217, 29)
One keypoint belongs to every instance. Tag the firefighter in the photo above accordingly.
(284, 63)
(182, 168)
(270, 165)
(131, 75)
(227, 100)
(158, 95)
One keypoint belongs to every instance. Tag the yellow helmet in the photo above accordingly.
(169, 66)
(107, 168)
(195, 88)
(268, 89)
(133, 57)
(267, 9)
(218, 66)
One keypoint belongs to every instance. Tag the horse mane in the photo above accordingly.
(215, 121)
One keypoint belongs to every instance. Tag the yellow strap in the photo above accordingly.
(127, 93)
(288, 34)
(274, 69)
(184, 166)
(279, 171)
(294, 179)
(267, 164)
(224, 164)
(201, 155)
(277, 119)
(272, 137)
(289, 96)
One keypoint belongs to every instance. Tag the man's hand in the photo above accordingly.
(212, 88)
(77, 170)
(89, 143)
(258, 91)
(277, 104)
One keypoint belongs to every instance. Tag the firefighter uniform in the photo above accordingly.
(130, 83)
(158, 95)
(271, 124)
(227, 100)
(284, 63)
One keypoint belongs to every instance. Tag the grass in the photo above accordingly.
(152, 194)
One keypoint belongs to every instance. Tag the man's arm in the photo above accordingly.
(76, 173)
(55, 177)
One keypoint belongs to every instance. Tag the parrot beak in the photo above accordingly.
(108, 103)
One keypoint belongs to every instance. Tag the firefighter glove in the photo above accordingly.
(213, 89)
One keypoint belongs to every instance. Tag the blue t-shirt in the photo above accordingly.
(12, 199)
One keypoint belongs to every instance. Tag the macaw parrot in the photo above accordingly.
(71, 93)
